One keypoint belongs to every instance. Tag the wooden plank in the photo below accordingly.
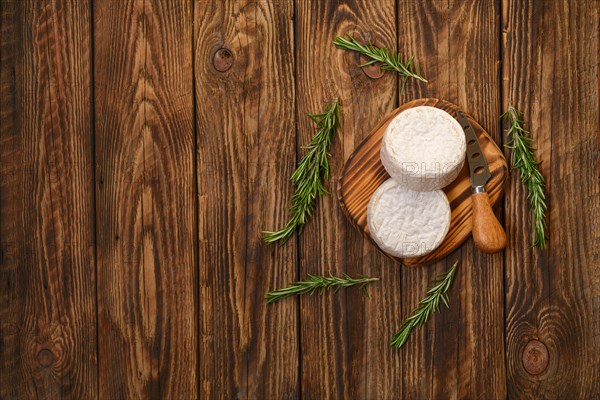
(47, 268)
(461, 351)
(345, 336)
(551, 74)
(145, 199)
(244, 77)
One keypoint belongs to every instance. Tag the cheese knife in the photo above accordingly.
(488, 233)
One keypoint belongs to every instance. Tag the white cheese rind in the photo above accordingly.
(407, 223)
(423, 148)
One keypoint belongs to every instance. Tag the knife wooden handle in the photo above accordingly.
(488, 234)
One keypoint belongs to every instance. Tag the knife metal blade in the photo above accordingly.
(478, 166)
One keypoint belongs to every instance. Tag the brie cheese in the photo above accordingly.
(407, 223)
(423, 148)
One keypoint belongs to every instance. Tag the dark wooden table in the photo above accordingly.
(145, 144)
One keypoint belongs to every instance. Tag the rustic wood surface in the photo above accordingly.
(145, 144)
(145, 205)
(245, 110)
(344, 340)
(553, 320)
(48, 307)
(463, 349)
(364, 173)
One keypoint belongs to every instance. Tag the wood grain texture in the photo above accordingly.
(244, 65)
(145, 199)
(460, 353)
(144, 144)
(552, 297)
(364, 173)
(47, 269)
(345, 337)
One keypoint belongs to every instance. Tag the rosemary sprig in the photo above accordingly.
(427, 306)
(310, 173)
(388, 59)
(523, 159)
(314, 283)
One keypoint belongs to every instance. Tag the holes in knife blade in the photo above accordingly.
(478, 170)
(471, 142)
(475, 155)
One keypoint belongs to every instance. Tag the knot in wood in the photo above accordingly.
(223, 60)
(373, 71)
(535, 357)
(45, 357)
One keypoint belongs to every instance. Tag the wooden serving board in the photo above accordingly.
(363, 173)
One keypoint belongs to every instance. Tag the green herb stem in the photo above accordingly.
(320, 283)
(310, 173)
(524, 160)
(389, 60)
(427, 306)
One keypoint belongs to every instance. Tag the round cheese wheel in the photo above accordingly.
(423, 148)
(407, 223)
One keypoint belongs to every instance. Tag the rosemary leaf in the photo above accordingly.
(314, 283)
(427, 306)
(407, 68)
(524, 160)
(309, 174)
